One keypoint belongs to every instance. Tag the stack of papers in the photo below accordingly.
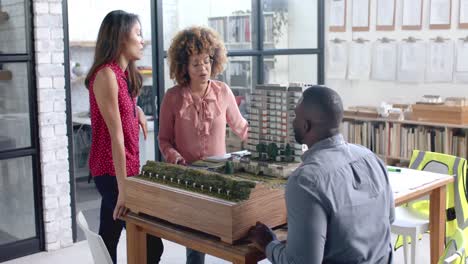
(408, 180)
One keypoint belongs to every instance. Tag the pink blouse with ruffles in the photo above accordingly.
(194, 128)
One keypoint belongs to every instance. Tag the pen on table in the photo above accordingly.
(394, 169)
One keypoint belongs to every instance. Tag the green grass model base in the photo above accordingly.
(210, 183)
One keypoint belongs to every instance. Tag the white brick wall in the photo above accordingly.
(50, 72)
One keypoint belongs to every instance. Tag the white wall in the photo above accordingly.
(85, 16)
(373, 92)
(49, 51)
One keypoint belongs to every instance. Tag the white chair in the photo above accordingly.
(408, 222)
(95, 242)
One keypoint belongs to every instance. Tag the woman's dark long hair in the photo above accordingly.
(114, 32)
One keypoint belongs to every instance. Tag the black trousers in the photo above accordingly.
(110, 230)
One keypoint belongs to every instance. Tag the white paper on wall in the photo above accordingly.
(385, 12)
(463, 11)
(461, 65)
(384, 61)
(440, 58)
(440, 12)
(337, 60)
(337, 13)
(412, 12)
(411, 61)
(360, 13)
(359, 65)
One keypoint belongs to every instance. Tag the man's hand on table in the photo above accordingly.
(261, 235)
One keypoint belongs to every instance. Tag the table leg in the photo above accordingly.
(437, 223)
(136, 244)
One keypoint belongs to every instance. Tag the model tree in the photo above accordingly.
(272, 151)
(288, 153)
(229, 167)
(261, 148)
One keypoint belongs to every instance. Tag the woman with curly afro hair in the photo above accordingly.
(194, 113)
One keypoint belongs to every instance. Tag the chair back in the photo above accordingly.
(456, 201)
(95, 242)
(454, 252)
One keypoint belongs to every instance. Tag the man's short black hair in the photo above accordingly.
(327, 102)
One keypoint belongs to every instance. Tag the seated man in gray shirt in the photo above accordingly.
(339, 201)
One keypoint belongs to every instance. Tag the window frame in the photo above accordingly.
(257, 51)
(34, 244)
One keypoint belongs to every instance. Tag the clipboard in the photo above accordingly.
(364, 28)
(441, 26)
(386, 27)
(462, 25)
(341, 28)
(413, 27)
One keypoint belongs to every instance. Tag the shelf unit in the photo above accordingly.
(236, 32)
(394, 140)
(4, 16)
(5, 75)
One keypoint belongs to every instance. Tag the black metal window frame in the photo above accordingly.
(258, 51)
(34, 244)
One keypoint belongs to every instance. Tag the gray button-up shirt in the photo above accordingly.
(340, 208)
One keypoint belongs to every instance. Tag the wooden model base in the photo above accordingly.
(230, 221)
(441, 113)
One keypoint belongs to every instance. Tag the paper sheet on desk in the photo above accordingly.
(408, 180)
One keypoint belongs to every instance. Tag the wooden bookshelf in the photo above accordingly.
(394, 140)
(236, 32)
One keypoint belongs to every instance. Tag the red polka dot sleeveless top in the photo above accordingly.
(100, 157)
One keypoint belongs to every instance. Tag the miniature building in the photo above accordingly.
(271, 134)
(271, 114)
(233, 142)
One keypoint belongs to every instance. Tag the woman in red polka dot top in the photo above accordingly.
(114, 84)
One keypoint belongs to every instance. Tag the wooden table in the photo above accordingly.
(138, 226)
(433, 185)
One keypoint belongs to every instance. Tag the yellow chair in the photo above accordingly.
(455, 249)
(412, 220)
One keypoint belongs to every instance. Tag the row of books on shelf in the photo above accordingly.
(233, 29)
(404, 139)
(458, 143)
(238, 29)
(399, 140)
(370, 135)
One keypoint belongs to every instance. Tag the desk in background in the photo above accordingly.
(409, 185)
(82, 124)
